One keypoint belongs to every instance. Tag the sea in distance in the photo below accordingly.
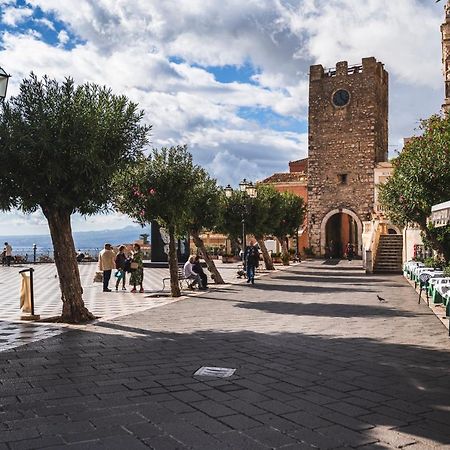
(90, 242)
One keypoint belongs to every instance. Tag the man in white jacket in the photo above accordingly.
(189, 274)
(106, 263)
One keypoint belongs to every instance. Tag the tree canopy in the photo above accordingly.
(60, 147)
(161, 188)
(421, 179)
(61, 144)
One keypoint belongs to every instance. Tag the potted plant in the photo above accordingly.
(276, 258)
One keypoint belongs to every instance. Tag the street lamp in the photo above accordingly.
(4, 77)
(228, 191)
(243, 185)
(249, 189)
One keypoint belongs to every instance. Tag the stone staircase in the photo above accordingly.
(389, 253)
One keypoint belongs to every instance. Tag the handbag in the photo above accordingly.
(134, 265)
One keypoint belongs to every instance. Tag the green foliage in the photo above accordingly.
(420, 179)
(61, 145)
(308, 251)
(285, 258)
(207, 201)
(447, 271)
(236, 208)
(291, 215)
(268, 210)
(160, 187)
(435, 263)
(440, 236)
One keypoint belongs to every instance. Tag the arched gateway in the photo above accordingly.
(338, 228)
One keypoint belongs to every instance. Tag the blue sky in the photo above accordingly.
(230, 78)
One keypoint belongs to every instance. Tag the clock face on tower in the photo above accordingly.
(341, 97)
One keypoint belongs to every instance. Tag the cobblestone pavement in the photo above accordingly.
(14, 333)
(321, 363)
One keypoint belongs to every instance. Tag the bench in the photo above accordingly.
(181, 279)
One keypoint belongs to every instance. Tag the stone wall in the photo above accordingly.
(345, 141)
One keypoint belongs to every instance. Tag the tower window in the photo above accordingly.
(342, 178)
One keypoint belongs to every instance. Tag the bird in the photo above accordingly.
(381, 299)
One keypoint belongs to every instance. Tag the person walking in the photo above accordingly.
(106, 264)
(350, 251)
(251, 259)
(198, 269)
(8, 254)
(120, 262)
(189, 273)
(137, 269)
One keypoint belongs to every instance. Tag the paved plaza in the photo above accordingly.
(320, 363)
(103, 305)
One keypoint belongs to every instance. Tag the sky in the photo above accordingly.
(228, 78)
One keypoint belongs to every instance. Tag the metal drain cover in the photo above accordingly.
(219, 372)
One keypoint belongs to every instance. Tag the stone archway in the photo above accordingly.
(347, 233)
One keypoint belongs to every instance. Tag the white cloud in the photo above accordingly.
(63, 38)
(12, 16)
(130, 45)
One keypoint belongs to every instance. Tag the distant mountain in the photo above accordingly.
(83, 239)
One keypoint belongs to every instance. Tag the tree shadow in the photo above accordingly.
(304, 288)
(323, 278)
(326, 309)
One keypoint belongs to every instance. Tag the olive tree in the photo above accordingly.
(292, 212)
(60, 145)
(160, 188)
(205, 214)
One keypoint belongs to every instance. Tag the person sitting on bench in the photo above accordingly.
(190, 274)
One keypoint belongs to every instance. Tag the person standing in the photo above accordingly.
(106, 264)
(120, 261)
(137, 269)
(198, 269)
(251, 258)
(8, 254)
(350, 251)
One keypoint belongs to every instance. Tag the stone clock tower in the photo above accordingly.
(348, 136)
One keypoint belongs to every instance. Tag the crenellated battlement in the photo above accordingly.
(342, 69)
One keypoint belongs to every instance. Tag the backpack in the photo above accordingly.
(252, 255)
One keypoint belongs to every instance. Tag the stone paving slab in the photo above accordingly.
(320, 364)
(14, 332)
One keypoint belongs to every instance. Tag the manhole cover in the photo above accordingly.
(219, 372)
(157, 296)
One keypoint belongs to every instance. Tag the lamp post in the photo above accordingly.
(249, 189)
(4, 77)
(34, 253)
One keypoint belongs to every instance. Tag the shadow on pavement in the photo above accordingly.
(289, 388)
(327, 278)
(303, 288)
(326, 310)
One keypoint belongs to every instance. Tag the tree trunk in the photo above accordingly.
(284, 250)
(266, 256)
(173, 264)
(73, 310)
(209, 262)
